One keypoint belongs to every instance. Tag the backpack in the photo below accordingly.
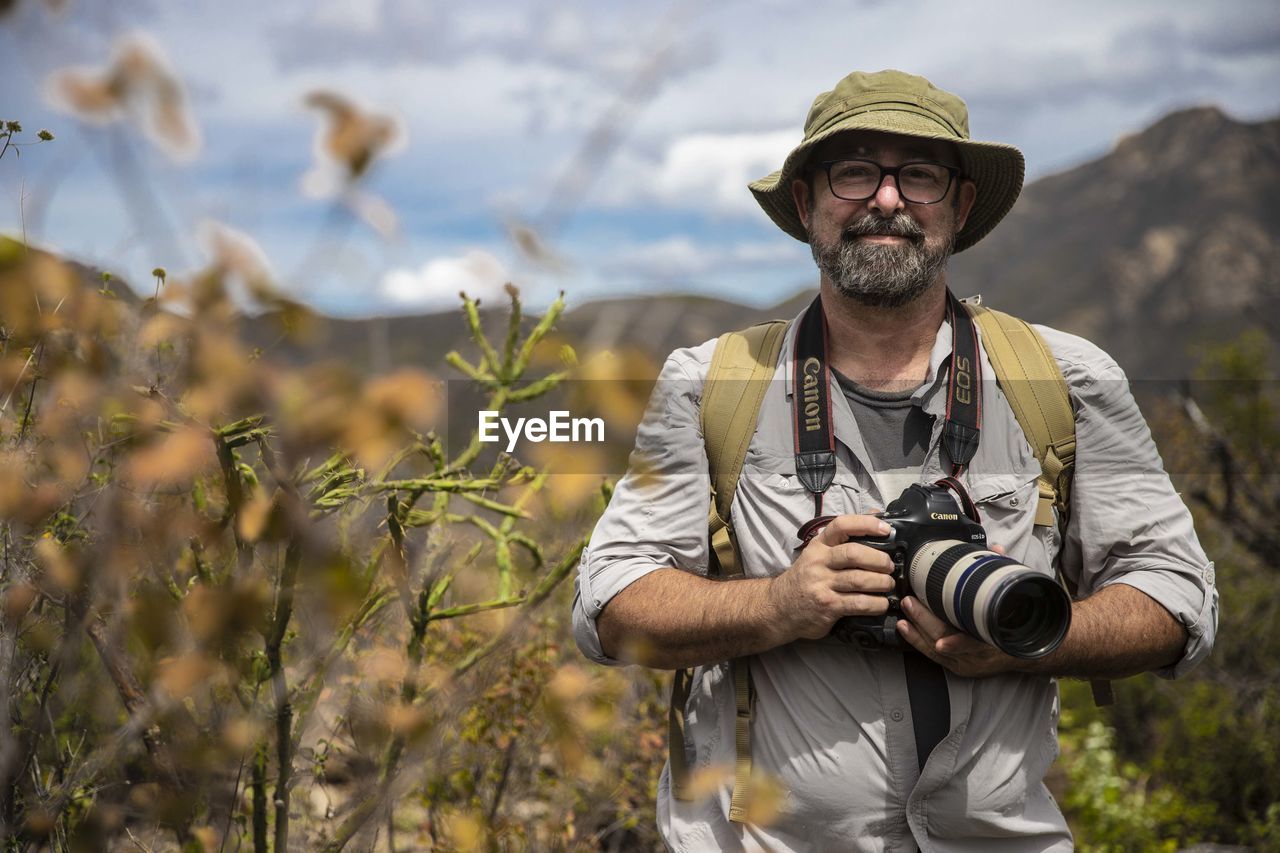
(741, 368)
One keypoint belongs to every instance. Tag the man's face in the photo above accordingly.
(883, 251)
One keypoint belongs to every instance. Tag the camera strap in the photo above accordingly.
(815, 458)
(816, 468)
(815, 445)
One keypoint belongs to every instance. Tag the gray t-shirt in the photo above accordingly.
(895, 431)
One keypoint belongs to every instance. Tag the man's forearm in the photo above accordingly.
(1116, 632)
(696, 620)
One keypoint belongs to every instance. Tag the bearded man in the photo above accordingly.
(940, 741)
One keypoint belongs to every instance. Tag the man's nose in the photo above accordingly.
(887, 201)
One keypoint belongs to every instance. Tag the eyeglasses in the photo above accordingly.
(918, 183)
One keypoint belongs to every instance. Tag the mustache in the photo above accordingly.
(871, 225)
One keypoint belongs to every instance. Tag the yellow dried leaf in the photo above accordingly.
(406, 720)
(240, 734)
(211, 613)
(70, 464)
(352, 136)
(14, 491)
(161, 327)
(767, 799)
(76, 391)
(221, 359)
(138, 80)
(55, 282)
(253, 516)
(17, 601)
(179, 677)
(464, 830)
(707, 781)
(175, 459)
(406, 396)
(385, 664)
(88, 94)
(237, 254)
(569, 684)
(208, 838)
(57, 564)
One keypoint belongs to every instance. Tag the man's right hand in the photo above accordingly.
(833, 578)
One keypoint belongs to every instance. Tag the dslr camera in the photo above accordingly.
(940, 556)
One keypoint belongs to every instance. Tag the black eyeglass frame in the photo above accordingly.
(953, 172)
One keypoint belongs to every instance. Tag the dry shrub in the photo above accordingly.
(253, 604)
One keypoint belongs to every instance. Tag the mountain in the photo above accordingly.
(1170, 241)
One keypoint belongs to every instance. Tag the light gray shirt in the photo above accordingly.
(832, 725)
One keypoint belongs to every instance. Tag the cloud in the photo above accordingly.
(572, 36)
(562, 65)
(435, 285)
(700, 171)
(679, 259)
(1238, 37)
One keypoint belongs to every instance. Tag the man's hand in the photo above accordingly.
(952, 648)
(832, 578)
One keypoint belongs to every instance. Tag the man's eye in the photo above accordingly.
(851, 171)
(921, 174)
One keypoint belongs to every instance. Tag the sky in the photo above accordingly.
(599, 148)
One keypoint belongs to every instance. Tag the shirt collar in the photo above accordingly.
(930, 396)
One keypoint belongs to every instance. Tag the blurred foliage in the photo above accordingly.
(1173, 763)
(251, 604)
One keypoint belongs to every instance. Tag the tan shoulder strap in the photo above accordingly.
(1032, 382)
(741, 368)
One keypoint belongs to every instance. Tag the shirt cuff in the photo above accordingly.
(1194, 606)
(591, 595)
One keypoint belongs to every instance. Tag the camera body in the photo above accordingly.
(940, 556)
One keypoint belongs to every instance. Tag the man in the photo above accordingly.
(885, 185)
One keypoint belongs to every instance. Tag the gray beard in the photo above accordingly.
(881, 276)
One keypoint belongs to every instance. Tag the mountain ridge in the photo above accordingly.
(1167, 243)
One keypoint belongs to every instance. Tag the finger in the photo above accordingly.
(858, 580)
(927, 623)
(844, 527)
(859, 604)
(999, 549)
(853, 555)
(916, 640)
(960, 644)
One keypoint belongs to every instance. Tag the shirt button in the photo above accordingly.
(896, 715)
(1013, 502)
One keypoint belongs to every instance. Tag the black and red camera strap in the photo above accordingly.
(811, 422)
(815, 457)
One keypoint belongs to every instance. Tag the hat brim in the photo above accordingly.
(997, 170)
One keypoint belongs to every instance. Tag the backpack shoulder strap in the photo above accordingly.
(1032, 382)
(1037, 392)
(741, 368)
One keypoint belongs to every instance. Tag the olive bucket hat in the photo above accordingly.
(896, 102)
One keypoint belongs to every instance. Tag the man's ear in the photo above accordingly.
(967, 193)
(800, 195)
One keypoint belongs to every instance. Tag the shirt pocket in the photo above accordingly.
(1007, 509)
(776, 471)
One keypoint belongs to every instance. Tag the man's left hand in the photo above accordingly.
(950, 647)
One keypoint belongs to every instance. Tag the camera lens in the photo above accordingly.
(1016, 609)
(1032, 614)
